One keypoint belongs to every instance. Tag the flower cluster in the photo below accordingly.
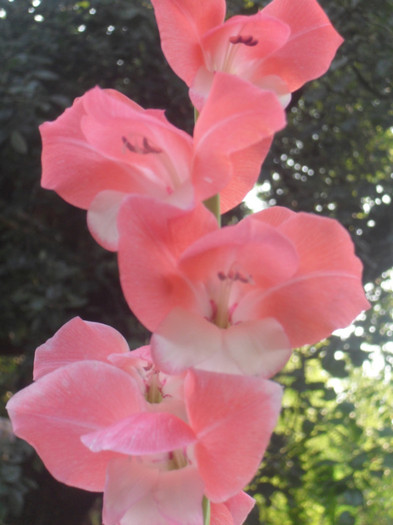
(171, 433)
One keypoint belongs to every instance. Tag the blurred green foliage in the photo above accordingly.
(330, 461)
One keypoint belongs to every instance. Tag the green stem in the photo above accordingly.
(206, 511)
(213, 204)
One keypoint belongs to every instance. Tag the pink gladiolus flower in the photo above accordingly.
(105, 147)
(236, 299)
(281, 47)
(103, 418)
(233, 511)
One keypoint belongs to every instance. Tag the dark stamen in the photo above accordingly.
(234, 276)
(128, 145)
(247, 40)
(241, 278)
(149, 149)
(144, 150)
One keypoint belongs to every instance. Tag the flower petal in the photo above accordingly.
(237, 116)
(71, 166)
(311, 46)
(220, 405)
(240, 506)
(235, 58)
(141, 139)
(260, 252)
(139, 494)
(185, 340)
(53, 413)
(179, 496)
(326, 292)
(257, 347)
(181, 24)
(152, 235)
(223, 53)
(106, 146)
(220, 514)
(246, 168)
(143, 433)
(77, 341)
(129, 485)
(102, 218)
(234, 511)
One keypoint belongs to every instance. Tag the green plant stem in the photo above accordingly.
(206, 511)
(213, 204)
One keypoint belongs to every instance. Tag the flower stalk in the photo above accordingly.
(213, 205)
(206, 511)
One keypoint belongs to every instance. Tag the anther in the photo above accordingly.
(147, 148)
(128, 145)
(248, 40)
(241, 278)
(144, 150)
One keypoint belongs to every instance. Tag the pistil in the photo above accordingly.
(221, 317)
(153, 389)
(177, 460)
(222, 310)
